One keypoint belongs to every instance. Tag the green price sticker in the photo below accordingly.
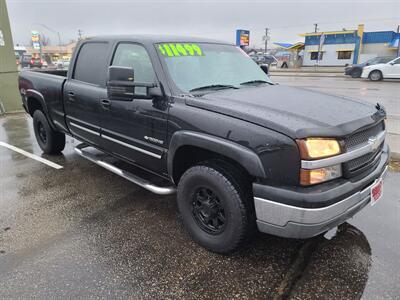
(180, 49)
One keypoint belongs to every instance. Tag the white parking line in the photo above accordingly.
(30, 155)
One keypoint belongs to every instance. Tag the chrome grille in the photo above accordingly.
(367, 161)
(361, 137)
(364, 160)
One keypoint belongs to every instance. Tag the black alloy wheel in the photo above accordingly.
(208, 211)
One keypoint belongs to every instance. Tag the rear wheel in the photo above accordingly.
(214, 200)
(375, 75)
(50, 141)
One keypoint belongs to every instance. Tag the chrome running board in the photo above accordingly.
(146, 184)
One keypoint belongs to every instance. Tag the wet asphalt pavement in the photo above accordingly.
(83, 232)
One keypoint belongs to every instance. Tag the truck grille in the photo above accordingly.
(359, 138)
(368, 161)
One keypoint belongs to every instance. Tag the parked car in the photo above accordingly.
(36, 62)
(62, 64)
(264, 59)
(378, 72)
(241, 152)
(355, 70)
(25, 60)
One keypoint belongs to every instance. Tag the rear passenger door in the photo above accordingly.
(82, 91)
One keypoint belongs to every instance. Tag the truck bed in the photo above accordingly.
(46, 86)
(62, 73)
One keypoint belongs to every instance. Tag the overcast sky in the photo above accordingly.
(216, 19)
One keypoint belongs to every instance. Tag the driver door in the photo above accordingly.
(136, 129)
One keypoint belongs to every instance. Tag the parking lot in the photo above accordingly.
(82, 232)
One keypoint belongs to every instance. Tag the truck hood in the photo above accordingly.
(295, 112)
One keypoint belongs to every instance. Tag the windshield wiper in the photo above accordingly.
(255, 81)
(214, 86)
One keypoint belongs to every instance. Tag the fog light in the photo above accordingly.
(310, 177)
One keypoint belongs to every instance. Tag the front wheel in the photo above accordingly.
(215, 205)
(375, 75)
(50, 141)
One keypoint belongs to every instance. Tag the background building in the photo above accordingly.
(348, 46)
(53, 53)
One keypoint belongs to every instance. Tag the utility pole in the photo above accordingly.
(266, 39)
(79, 34)
(398, 38)
(315, 27)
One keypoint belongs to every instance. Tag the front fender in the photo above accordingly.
(247, 158)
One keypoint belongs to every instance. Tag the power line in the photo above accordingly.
(335, 22)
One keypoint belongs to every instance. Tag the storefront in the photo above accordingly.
(340, 48)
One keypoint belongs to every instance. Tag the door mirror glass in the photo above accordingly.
(120, 85)
(121, 74)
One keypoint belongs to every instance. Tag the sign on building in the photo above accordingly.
(242, 37)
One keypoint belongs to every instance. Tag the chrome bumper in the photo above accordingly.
(297, 222)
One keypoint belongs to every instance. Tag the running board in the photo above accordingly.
(160, 190)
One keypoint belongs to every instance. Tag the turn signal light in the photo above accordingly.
(310, 177)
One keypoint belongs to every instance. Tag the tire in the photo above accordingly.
(227, 202)
(375, 75)
(356, 73)
(50, 141)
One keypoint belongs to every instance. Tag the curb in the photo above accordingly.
(395, 156)
(308, 75)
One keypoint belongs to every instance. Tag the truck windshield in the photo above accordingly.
(197, 66)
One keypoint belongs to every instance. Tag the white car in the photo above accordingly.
(381, 71)
(62, 64)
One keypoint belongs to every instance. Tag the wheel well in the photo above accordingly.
(33, 104)
(188, 156)
(375, 71)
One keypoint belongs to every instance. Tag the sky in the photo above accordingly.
(216, 19)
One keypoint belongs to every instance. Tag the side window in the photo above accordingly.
(91, 64)
(397, 61)
(136, 57)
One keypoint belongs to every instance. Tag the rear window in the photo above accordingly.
(91, 64)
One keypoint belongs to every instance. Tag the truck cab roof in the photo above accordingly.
(154, 39)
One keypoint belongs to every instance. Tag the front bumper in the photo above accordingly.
(348, 70)
(305, 221)
(365, 73)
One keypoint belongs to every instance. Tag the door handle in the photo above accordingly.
(71, 96)
(106, 103)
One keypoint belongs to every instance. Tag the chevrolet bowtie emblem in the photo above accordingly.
(373, 141)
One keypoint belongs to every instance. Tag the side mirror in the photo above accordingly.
(367, 64)
(121, 85)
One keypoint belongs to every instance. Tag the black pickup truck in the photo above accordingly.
(200, 118)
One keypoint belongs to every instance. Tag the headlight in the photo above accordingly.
(314, 148)
(310, 177)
